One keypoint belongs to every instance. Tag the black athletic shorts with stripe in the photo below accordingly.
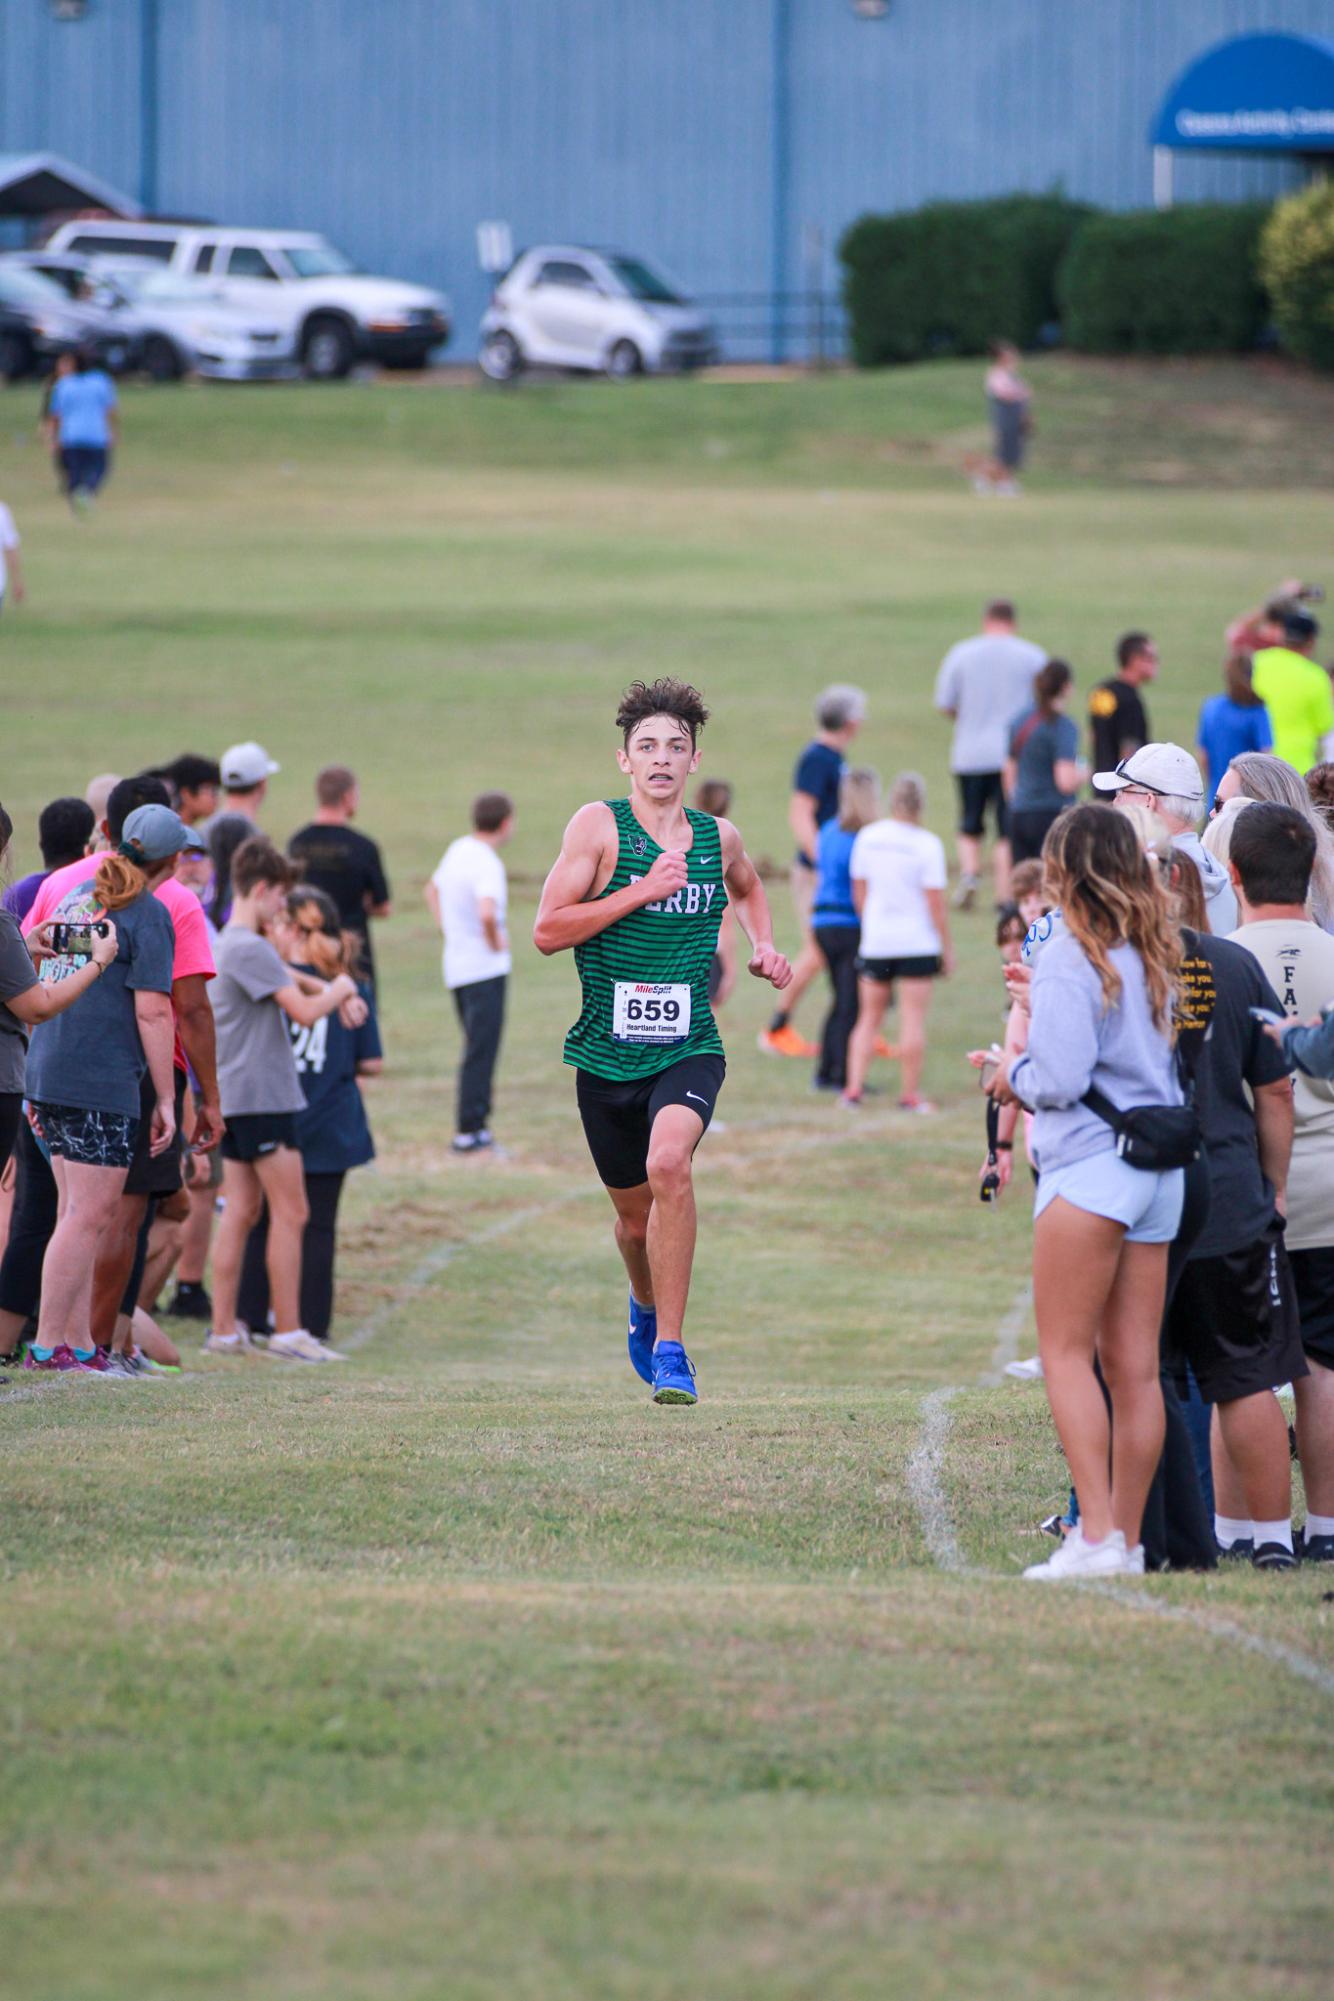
(618, 1117)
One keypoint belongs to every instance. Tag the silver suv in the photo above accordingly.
(564, 307)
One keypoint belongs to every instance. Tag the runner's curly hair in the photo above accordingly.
(666, 697)
(1098, 876)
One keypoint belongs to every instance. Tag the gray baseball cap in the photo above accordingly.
(155, 833)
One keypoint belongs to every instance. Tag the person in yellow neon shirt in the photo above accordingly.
(1296, 691)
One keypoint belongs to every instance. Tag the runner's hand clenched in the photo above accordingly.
(767, 964)
(669, 873)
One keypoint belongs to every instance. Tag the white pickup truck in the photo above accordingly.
(338, 315)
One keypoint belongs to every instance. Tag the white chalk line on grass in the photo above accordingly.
(1008, 1332)
(438, 1260)
(926, 1486)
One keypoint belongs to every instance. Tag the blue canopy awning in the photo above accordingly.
(1253, 94)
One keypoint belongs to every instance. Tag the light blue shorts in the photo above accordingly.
(1148, 1204)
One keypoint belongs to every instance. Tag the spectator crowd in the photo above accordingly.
(186, 1015)
(188, 1023)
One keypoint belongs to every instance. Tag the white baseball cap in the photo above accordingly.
(1164, 768)
(245, 764)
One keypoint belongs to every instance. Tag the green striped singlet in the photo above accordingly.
(628, 970)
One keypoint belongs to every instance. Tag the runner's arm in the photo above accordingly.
(801, 810)
(727, 955)
(565, 917)
(746, 895)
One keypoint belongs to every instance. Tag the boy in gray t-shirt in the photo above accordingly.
(261, 1094)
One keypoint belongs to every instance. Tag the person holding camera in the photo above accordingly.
(154, 1176)
(26, 1001)
(85, 1067)
(1101, 1002)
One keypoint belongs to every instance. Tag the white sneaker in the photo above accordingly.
(237, 1343)
(1028, 1371)
(1077, 1558)
(298, 1346)
(1135, 1561)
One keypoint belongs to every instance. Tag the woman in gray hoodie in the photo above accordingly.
(1101, 1009)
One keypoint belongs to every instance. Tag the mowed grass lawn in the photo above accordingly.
(459, 1670)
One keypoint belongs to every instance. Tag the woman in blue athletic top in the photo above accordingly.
(1230, 723)
(837, 927)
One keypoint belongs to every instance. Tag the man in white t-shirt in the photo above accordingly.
(11, 567)
(468, 896)
(1272, 854)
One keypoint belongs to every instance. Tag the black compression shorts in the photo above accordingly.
(1234, 1319)
(618, 1117)
(979, 790)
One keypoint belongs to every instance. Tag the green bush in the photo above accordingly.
(1175, 281)
(1297, 266)
(947, 278)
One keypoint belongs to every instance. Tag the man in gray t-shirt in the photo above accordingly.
(982, 686)
(254, 995)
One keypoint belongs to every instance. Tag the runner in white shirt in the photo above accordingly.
(11, 567)
(898, 886)
(468, 896)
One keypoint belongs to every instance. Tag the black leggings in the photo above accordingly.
(317, 1262)
(11, 1111)
(31, 1223)
(839, 944)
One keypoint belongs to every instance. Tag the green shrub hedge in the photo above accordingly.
(1297, 265)
(947, 278)
(1175, 281)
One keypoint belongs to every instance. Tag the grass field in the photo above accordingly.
(460, 1670)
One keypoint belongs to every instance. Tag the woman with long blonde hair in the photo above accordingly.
(897, 872)
(1258, 774)
(1102, 998)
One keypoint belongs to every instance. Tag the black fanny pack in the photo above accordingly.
(1153, 1137)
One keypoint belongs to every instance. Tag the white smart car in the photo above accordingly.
(559, 306)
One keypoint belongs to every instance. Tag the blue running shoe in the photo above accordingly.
(673, 1374)
(643, 1333)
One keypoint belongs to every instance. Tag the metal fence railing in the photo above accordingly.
(809, 327)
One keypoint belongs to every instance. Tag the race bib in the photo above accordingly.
(650, 1011)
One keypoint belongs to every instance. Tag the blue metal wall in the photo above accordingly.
(711, 134)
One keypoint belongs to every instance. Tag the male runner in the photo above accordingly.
(639, 891)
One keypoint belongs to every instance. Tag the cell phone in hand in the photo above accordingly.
(76, 938)
(1268, 1017)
